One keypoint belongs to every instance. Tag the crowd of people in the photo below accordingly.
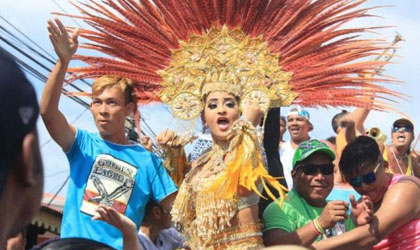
(242, 186)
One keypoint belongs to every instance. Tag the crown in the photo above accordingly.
(228, 61)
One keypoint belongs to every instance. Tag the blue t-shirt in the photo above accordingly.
(122, 176)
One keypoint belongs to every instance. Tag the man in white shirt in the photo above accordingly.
(299, 126)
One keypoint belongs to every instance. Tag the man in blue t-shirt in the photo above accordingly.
(105, 168)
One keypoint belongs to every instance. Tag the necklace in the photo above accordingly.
(398, 162)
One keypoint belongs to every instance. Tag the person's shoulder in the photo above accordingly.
(406, 180)
(403, 188)
(88, 135)
(172, 234)
(291, 199)
(84, 132)
(146, 156)
(285, 147)
(287, 204)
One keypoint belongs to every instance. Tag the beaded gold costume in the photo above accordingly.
(269, 53)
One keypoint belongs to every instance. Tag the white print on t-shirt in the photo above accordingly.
(110, 183)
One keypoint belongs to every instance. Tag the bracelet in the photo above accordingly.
(315, 229)
(318, 226)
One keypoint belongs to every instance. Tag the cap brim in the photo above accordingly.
(403, 121)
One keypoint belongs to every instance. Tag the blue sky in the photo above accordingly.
(31, 17)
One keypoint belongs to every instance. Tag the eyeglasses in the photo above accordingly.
(402, 128)
(312, 169)
(368, 178)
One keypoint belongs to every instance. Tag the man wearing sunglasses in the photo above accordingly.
(306, 215)
(399, 156)
(396, 202)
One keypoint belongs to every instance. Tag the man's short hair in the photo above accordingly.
(336, 118)
(282, 118)
(19, 113)
(109, 81)
(359, 152)
(149, 207)
(332, 140)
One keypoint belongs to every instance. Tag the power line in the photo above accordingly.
(57, 173)
(61, 187)
(72, 122)
(23, 34)
(63, 10)
(51, 60)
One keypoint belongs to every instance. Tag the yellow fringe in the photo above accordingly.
(245, 168)
(176, 163)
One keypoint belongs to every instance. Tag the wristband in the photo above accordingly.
(315, 229)
(318, 227)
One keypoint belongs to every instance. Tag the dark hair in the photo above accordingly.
(74, 244)
(332, 140)
(361, 151)
(149, 207)
(282, 118)
(336, 118)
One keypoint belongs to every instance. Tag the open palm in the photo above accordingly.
(65, 46)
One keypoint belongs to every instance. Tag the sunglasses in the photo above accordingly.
(402, 128)
(367, 179)
(312, 169)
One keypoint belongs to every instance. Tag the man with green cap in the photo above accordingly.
(306, 215)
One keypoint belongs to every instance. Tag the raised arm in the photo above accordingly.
(359, 116)
(121, 222)
(65, 46)
(385, 221)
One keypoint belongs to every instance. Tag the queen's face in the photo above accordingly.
(221, 110)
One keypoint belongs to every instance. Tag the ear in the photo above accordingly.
(130, 108)
(156, 212)
(24, 168)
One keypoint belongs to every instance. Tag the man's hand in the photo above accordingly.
(165, 138)
(333, 212)
(415, 155)
(362, 211)
(111, 216)
(65, 46)
(147, 143)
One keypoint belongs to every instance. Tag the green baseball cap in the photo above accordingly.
(307, 148)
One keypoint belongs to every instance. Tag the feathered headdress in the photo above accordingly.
(272, 53)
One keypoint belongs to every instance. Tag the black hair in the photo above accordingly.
(332, 140)
(74, 244)
(149, 207)
(363, 150)
(282, 118)
(336, 118)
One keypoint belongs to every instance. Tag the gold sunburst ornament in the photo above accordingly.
(224, 60)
